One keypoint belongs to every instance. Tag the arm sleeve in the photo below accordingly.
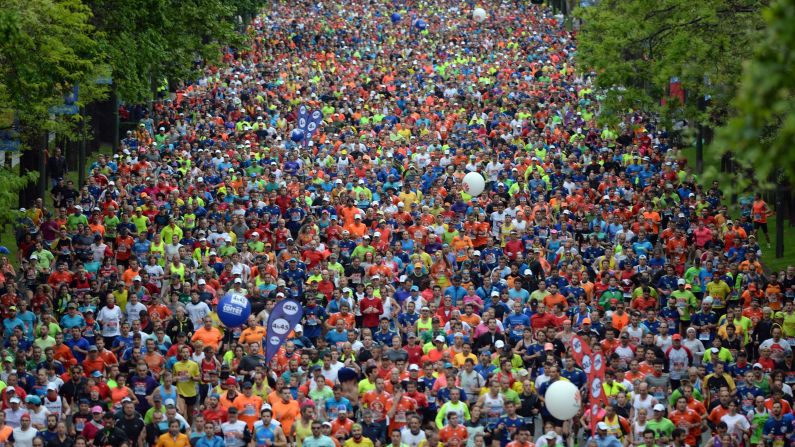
(440, 416)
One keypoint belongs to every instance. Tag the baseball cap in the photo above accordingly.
(499, 344)
(414, 367)
(659, 407)
(96, 409)
(586, 321)
(169, 403)
(440, 338)
(680, 282)
(601, 426)
(14, 400)
(676, 337)
(553, 435)
(758, 366)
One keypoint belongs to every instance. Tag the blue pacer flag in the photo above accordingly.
(285, 315)
(303, 117)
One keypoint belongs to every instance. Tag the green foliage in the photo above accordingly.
(10, 185)
(637, 46)
(762, 134)
(148, 40)
(46, 47)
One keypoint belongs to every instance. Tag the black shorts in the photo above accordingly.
(762, 225)
(190, 400)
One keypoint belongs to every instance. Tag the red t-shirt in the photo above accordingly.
(371, 319)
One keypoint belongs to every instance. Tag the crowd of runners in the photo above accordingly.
(431, 318)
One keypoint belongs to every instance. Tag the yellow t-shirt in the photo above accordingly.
(186, 374)
(364, 442)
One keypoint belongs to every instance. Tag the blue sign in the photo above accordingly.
(65, 109)
(303, 117)
(68, 107)
(285, 315)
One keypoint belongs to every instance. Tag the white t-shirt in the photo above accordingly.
(410, 439)
(133, 311)
(197, 312)
(737, 425)
(39, 418)
(24, 438)
(110, 319)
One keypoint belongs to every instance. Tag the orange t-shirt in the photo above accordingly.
(688, 417)
(98, 364)
(252, 335)
(341, 426)
(448, 432)
(619, 321)
(286, 413)
(211, 337)
(377, 403)
(552, 300)
(248, 408)
(405, 405)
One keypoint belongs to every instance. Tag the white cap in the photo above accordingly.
(659, 407)
(377, 234)
(137, 278)
(708, 300)
(601, 426)
(495, 293)
(14, 400)
(168, 402)
(358, 216)
(528, 272)
(238, 281)
(414, 367)
(476, 253)
(298, 328)
(553, 435)
(440, 338)
(202, 281)
(499, 344)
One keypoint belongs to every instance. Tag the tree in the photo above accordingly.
(637, 46)
(46, 48)
(146, 41)
(761, 135)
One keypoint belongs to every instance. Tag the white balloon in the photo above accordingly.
(563, 400)
(474, 184)
(479, 14)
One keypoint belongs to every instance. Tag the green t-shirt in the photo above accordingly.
(758, 420)
(664, 425)
(686, 302)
